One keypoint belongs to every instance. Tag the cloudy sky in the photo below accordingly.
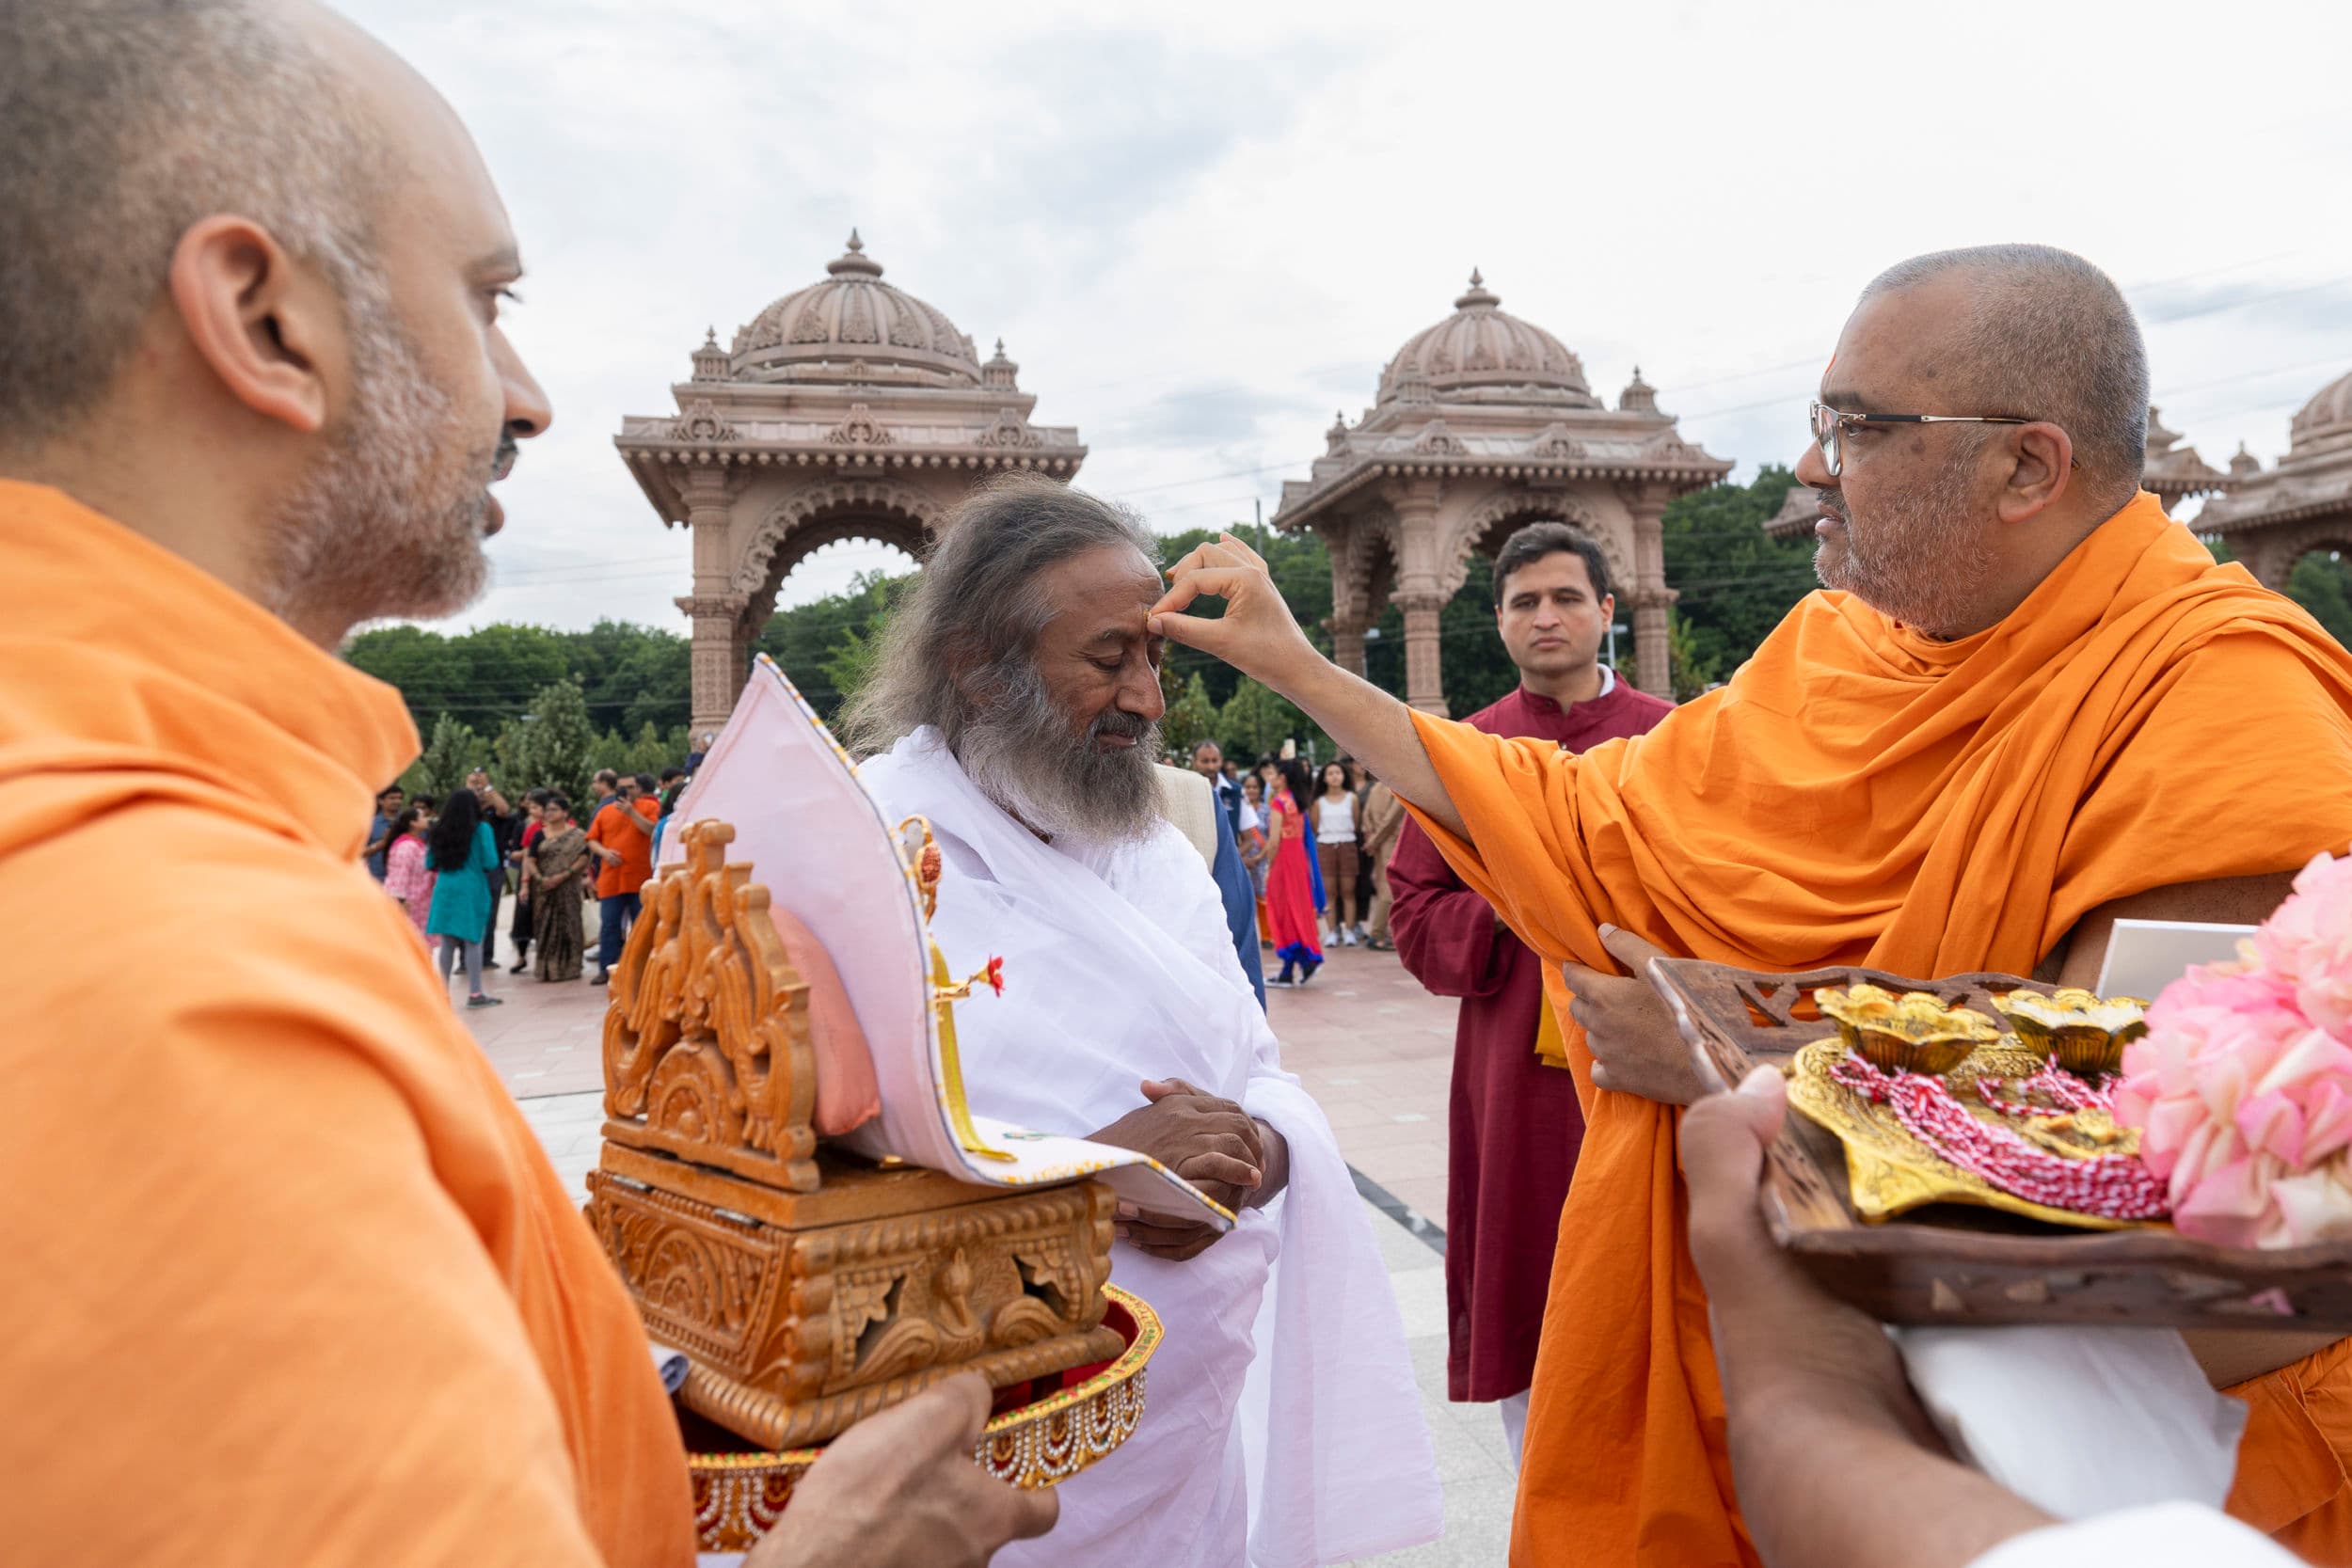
(1202, 229)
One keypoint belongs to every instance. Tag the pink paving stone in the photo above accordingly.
(1387, 1162)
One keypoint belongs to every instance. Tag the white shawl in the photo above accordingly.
(1118, 966)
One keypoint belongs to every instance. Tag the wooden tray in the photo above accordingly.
(1947, 1263)
(1044, 1431)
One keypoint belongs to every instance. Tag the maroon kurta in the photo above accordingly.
(1515, 1124)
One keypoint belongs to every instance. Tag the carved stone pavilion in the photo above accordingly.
(2272, 517)
(2173, 472)
(1483, 423)
(848, 409)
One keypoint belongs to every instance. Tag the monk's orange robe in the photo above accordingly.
(1863, 794)
(288, 1279)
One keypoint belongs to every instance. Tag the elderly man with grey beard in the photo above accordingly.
(1015, 705)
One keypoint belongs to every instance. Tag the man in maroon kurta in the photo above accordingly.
(1516, 1126)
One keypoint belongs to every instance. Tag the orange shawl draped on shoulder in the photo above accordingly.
(1862, 794)
(288, 1278)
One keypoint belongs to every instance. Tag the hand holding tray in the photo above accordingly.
(1949, 1263)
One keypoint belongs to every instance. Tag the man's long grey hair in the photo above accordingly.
(958, 655)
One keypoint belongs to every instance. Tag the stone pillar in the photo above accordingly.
(1421, 595)
(720, 660)
(1650, 598)
(1424, 680)
(2272, 561)
(1347, 644)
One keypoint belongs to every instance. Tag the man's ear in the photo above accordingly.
(270, 329)
(2041, 463)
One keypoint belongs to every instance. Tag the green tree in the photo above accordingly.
(1256, 721)
(453, 752)
(556, 742)
(648, 750)
(851, 664)
(825, 642)
(629, 674)
(1190, 720)
(2322, 583)
(1736, 582)
(510, 751)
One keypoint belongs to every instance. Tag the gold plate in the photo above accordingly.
(739, 1496)
(1891, 1172)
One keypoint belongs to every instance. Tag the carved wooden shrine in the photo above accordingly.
(808, 1288)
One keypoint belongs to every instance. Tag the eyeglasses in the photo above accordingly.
(1829, 424)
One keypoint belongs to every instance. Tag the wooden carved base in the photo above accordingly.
(803, 1312)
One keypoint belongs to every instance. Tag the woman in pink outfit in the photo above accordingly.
(405, 876)
(1290, 899)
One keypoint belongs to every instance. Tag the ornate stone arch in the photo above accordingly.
(2270, 552)
(840, 508)
(1484, 527)
(1363, 566)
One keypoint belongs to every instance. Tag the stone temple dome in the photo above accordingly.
(2325, 424)
(1482, 354)
(854, 327)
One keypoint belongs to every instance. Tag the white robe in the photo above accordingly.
(1281, 1410)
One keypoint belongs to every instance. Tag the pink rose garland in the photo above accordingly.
(2242, 1087)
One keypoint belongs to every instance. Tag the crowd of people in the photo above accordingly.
(452, 864)
(1318, 871)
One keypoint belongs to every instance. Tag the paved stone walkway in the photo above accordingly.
(1372, 1046)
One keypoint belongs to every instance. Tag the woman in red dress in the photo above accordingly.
(1290, 899)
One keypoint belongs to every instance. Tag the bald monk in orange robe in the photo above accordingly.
(2030, 703)
(288, 1278)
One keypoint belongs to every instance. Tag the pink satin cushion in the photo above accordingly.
(846, 1096)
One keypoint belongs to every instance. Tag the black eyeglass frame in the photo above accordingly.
(1827, 430)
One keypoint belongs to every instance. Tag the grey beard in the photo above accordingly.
(389, 521)
(1020, 754)
(1926, 560)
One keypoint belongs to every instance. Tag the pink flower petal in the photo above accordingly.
(2326, 1121)
(2313, 1207)
(2273, 1124)
(2228, 1207)
(2309, 1056)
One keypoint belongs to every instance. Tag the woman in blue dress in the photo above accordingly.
(462, 842)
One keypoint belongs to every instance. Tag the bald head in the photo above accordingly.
(129, 120)
(249, 301)
(2040, 333)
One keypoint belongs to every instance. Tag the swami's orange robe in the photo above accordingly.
(286, 1277)
(1863, 794)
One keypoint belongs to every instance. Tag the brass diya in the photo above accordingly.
(1913, 1032)
(2084, 1033)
